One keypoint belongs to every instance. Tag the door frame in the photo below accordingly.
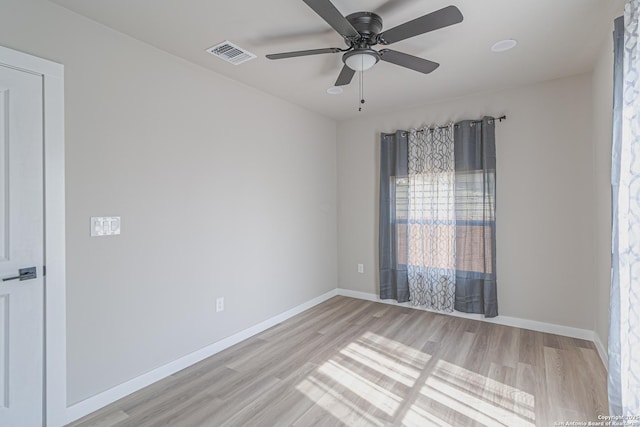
(55, 343)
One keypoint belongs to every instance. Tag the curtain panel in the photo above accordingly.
(437, 217)
(475, 200)
(614, 372)
(392, 233)
(431, 218)
(624, 325)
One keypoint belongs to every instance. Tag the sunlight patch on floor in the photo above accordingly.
(333, 401)
(374, 394)
(418, 417)
(395, 350)
(381, 363)
(377, 374)
(488, 389)
(480, 409)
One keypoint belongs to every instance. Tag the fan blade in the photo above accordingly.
(408, 61)
(303, 53)
(290, 36)
(433, 21)
(392, 6)
(329, 13)
(345, 76)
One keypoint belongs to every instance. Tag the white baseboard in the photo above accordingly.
(533, 325)
(92, 404)
(602, 350)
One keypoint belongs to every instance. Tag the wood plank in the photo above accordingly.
(103, 419)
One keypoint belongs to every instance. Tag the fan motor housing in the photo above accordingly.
(366, 23)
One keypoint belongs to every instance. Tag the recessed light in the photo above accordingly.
(504, 45)
(335, 90)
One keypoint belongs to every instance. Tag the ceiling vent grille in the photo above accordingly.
(231, 53)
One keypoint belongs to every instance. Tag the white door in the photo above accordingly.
(21, 247)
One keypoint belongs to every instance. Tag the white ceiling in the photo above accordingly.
(556, 38)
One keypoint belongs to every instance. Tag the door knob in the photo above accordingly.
(23, 274)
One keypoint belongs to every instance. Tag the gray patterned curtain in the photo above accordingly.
(624, 326)
(437, 217)
(431, 218)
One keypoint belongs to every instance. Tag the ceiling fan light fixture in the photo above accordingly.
(361, 59)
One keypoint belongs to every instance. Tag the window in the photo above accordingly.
(471, 229)
(437, 217)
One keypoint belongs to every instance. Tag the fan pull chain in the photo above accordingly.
(361, 91)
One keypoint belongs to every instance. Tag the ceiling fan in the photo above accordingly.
(362, 30)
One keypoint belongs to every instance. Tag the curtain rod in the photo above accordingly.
(500, 119)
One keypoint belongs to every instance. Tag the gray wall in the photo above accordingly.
(223, 191)
(545, 205)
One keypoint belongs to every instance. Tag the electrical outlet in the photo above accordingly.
(360, 268)
(219, 304)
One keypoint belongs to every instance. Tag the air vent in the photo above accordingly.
(230, 53)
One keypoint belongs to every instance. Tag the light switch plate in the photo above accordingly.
(105, 226)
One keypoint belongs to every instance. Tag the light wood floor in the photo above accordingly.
(359, 363)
